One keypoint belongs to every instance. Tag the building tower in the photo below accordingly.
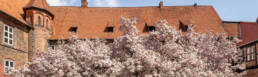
(37, 15)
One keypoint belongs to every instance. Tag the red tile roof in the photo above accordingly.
(38, 4)
(14, 8)
(92, 21)
(249, 32)
(232, 28)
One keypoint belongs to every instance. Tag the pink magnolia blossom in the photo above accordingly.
(165, 52)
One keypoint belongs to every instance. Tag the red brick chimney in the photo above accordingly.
(84, 3)
(161, 4)
(195, 5)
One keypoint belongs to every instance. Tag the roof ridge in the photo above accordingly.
(138, 6)
(38, 3)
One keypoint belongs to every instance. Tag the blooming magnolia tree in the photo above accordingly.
(165, 52)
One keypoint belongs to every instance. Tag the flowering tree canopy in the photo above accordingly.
(165, 52)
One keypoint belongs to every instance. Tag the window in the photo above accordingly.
(73, 29)
(109, 29)
(186, 27)
(8, 65)
(241, 56)
(31, 19)
(183, 27)
(47, 22)
(149, 28)
(251, 55)
(248, 54)
(53, 47)
(8, 35)
(39, 20)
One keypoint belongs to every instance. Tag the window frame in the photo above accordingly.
(253, 54)
(8, 35)
(39, 21)
(47, 22)
(73, 29)
(241, 56)
(250, 53)
(151, 28)
(53, 47)
(9, 66)
(109, 29)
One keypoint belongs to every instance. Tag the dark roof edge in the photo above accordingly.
(40, 9)
(140, 6)
(251, 42)
(238, 22)
(15, 19)
(231, 21)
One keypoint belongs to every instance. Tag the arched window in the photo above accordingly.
(47, 23)
(39, 20)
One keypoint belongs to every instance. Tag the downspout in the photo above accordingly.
(240, 31)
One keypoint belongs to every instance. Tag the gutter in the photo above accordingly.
(251, 42)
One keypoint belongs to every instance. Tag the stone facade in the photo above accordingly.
(18, 52)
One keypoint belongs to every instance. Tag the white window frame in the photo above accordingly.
(250, 53)
(248, 56)
(8, 67)
(253, 53)
(8, 35)
(241, 56)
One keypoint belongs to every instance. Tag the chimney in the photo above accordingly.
(195, 5)
(257, 20)
(161, 4)
(84, 3)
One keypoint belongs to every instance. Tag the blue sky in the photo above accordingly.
(228, 10)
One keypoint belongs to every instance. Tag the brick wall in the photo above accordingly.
(252, 72)
(18, 52)
(41, 33)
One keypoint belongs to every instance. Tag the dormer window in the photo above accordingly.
(109, 29)
(186, 27)
(149, 28)
(39, 20)
(183, 27)
(73, 29)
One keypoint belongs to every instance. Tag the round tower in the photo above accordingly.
(37, 15)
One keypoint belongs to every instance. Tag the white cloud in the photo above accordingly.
(110, 3)
(62, 2)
